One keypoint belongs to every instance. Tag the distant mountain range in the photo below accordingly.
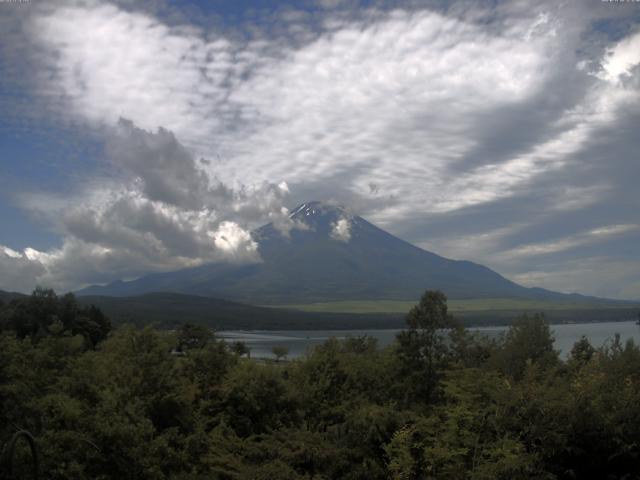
(332, 256)
(6, 297)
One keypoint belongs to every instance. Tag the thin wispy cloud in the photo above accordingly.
(559, 245)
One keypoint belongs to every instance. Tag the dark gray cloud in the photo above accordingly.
(166, 170)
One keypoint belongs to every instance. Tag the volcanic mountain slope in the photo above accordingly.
(333, 256)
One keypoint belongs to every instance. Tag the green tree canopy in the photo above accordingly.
(44, 313)
(280, 351)
(423, 348)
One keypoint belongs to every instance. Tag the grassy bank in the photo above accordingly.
(456, 306)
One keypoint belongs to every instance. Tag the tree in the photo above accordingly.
(30, 317)
(422, 349)
(280, 351)
(191, 336)
(528, 341)
(256, 399)
(240, 349)
(431, 313)
(92, 324)
(582, 351)
(44, 314)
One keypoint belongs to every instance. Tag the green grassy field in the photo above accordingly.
(455, 306)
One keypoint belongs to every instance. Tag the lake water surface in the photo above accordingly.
(300, 341)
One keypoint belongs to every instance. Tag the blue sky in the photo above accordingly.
(138, 137)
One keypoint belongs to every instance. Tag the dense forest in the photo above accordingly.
(141, 403)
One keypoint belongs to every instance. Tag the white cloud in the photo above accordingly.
(591, 236)
(10, 253)
(410, 85)
(159, 212)
(575, 128)
(621, 58)
(403, 92)
(577, 197)
(109, 63)
(481, 244)
(284, 222)
(603, 276)
(231, 238)
(341, 230)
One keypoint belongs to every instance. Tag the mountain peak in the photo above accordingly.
(320, 216)
(316, 207)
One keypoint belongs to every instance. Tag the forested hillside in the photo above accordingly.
(169, 310)
(147, 404)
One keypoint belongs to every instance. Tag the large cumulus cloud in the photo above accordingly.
(157, 211)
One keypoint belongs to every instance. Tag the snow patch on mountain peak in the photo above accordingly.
(317, 208)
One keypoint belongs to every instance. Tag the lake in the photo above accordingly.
(300, 341)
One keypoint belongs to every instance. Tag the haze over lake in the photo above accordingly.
(299, 341)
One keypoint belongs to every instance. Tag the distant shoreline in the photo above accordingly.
(381, 329)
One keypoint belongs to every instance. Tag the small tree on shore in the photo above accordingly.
(240, 349)
(280, 352)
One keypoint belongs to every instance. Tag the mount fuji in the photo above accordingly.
(331, 255)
